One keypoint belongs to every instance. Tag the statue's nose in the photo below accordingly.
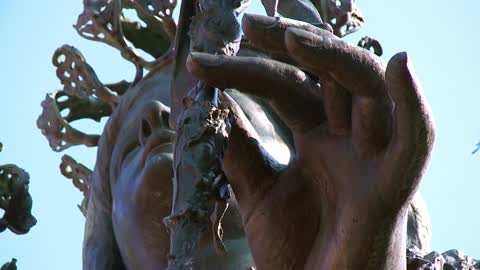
(154, 129)
(154, 120)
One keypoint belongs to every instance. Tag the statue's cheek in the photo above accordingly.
(155, 183)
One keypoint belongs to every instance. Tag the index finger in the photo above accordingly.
(356, 69)
(317, 49)
(268, 32)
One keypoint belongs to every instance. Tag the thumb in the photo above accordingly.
(247, 165)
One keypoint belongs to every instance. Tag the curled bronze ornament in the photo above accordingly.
(15, 200)
(78, 77)
(81, 177)
(60, 134)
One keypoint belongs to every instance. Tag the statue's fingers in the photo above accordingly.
(412, 135)
(413, 130)
(356, 69)
(293, 94)
(358, 72)
(371, 125)
(338, 105)
(268, 32)
(249, 168)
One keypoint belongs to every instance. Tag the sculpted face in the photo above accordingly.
(142, 190)
(141, 187)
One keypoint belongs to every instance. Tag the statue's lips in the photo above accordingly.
(163, 148)
(161, 143)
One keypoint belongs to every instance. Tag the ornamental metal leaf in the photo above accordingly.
(73, 108)
(12, 178)
(15, 200)
(100, 21)
(371, 43)
(58, 131)
(162, 10)
(343, 15)
(78, 77)
(148, 34)
(81, 177)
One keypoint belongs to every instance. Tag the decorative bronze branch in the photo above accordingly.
(60, 134)
(200, 187)
(344, 15)
(83, 97)
(102, 21)
(370, 43)
(160, 10)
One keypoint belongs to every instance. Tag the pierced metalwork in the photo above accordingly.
(162, 10)
(371, 43)
(149, 33)
(81, 177)
(78, 77)
(343, 15)
(101, 20)
(15, 200)
(58, 131)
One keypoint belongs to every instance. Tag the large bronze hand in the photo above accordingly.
(362, 133)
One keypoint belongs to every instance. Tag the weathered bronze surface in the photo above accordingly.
(10, 265)
(16, 203)
(15, 200)
(357, 130)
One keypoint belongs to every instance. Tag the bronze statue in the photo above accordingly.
(358, 133)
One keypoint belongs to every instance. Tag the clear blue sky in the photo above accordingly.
(441, 37)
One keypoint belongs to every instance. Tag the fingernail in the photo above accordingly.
(205, 59)
(261, 22)
(325, 26)
(401, 61)
(304, 37)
